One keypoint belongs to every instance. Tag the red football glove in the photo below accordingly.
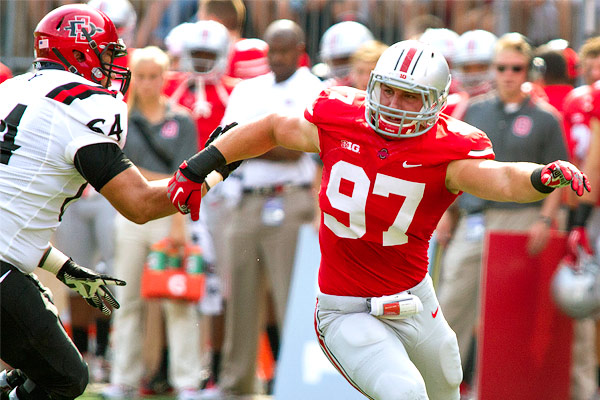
(577, 242)
(561, 173)
(186, 195)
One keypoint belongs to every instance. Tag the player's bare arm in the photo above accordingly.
(516, 182)
(136, 198)
(257, 137)
(225, 152)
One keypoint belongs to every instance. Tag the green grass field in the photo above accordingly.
(94, 389)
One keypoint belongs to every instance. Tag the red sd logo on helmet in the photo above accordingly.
(80, 22)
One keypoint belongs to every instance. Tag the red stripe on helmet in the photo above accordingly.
(408, 59)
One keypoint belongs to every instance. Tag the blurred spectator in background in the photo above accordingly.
(160, 17)
(570, 55)
(160, 135)
(362, 62)
(229, 13)
(468, 15)
(274, 198)
(415, 28)
(553, 76)
(589, 60)
(338, 44)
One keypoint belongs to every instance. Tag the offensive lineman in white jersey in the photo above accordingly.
(60, 128)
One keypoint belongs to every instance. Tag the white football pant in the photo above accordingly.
(409, 359)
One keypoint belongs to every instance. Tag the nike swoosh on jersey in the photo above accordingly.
(405, 164)
(4, 276)
(434, 313)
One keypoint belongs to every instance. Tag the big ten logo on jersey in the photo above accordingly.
(350, 146)
(115, 128)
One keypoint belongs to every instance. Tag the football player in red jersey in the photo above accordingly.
(200, 84)
(392, 163)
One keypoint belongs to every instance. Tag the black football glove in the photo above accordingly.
(90, 285)
(229, 168)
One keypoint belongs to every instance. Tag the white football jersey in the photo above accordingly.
(45, 117)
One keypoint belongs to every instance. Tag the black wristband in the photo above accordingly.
(582, 214)
(202, 163)
(536, 181)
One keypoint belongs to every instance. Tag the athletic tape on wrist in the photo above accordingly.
(53, 260)
(536, 181)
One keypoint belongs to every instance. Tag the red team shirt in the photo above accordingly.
(381, 199)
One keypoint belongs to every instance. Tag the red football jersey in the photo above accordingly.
(381, 199)
(205, 101)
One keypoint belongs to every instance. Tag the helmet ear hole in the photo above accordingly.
(79, 56)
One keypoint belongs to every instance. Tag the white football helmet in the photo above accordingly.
(576, 288)
(475, 47)
(206, 49)
(415, 67)
(338, 44)
(442, 39)
(176, 37)
(122, 14)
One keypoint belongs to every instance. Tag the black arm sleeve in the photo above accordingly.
(100, 162)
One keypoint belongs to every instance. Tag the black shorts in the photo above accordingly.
(33, 339)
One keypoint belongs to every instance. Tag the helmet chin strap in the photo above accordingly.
(67, 64)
